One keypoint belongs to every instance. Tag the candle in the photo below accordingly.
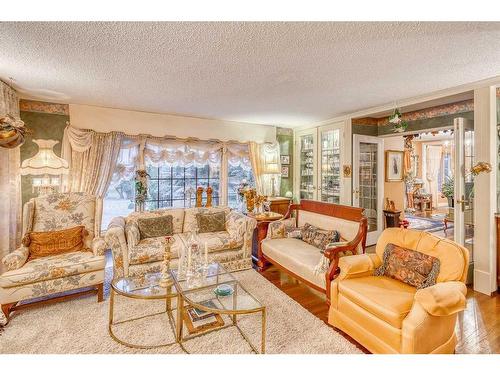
(189, 258)
(181, 262)
(206, 253)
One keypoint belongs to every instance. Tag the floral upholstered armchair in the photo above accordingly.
(26, 279)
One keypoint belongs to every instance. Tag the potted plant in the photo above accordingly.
(448, 190)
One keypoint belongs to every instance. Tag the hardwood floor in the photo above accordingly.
(478, 327)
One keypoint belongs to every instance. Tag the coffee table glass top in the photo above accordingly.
(143, 286)
(203, 296)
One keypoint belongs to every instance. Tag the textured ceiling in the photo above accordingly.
(269, 73)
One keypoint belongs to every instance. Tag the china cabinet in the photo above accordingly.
(319, 152)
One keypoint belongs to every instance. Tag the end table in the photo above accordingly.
(259, 234)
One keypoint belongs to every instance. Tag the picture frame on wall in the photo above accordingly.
(285, 171)
(393, 166)
(285, 159)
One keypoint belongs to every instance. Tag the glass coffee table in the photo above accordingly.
(143, 287)
(231, 300)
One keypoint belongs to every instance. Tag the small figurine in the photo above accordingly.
(166, 279)
(199, 197)
(209, 196)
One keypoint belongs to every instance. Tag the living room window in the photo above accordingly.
(168, 185)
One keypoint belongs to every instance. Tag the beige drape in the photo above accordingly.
(434, 154)
(258, 153)
(10, 179)
(92, 158)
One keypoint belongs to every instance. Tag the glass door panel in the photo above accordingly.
(307, 147)
(330, 166)
(368, 182)
(464, 185)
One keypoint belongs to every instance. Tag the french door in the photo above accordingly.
(368, 182)
(464, 184)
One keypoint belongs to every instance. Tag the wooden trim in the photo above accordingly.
(329, 209)
(293, 274)
(15, 306)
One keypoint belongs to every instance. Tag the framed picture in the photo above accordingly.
(285, 169)
(285, 159)
(393, 166)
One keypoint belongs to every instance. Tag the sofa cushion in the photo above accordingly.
(296, 256)
(153, 250)
(176, 213)
(155, 226)
(388, 299)
(217, 241)
(52, 267)
(190, 222)
(43, 244)
(409, 266)
(65, 210)
(318, 237)
(211, 222)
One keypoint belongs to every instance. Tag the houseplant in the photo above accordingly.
(448, 190)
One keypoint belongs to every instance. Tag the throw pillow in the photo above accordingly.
(43, 244)
(212, 222)
(294, 233)
(409, 266)
(157, 226)
(318, 237)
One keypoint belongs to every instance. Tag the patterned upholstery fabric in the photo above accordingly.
(53, 274)
(212, 222)
(279, 228)
(63, 211)
(153, 249)
(16, 259)
(52, 267)
(176, 213)
(190, 222)
(42, 244)
(232, 248)
(317, 237)
(409, 266)
(150, 227)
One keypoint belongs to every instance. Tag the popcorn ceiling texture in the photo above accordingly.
(269, 73)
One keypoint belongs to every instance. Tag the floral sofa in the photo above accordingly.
(58, 273)
(133, 256)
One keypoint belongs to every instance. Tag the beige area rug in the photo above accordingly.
(80, 326)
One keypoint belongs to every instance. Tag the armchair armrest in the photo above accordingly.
(98, 246)
(115, 239)
(132, 234)
(358, 266)
(443, 299)
(16, 259)
(276, 229)
(241, 226)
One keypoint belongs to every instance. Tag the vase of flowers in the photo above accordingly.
(243, 187)
(141, 189)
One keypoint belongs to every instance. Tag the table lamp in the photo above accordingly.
(45, 167)
(272, 168)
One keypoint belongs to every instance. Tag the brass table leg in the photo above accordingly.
(180, 308)
(263, 339)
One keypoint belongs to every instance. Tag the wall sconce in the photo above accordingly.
(46, 167)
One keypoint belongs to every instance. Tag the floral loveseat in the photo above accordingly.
(57, 273)
(133, 256)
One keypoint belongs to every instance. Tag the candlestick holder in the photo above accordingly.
(166, 279)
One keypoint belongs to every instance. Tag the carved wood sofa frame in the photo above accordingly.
(332, 253)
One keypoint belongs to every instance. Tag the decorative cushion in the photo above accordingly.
(211, 222)
(159, 226)
(217, 241)
(152, 249)
(190, 221)
(317, 237)
(280, 228)
(42, 244)
(176, 213)
(409, 266)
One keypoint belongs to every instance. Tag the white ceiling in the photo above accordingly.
(274, 73)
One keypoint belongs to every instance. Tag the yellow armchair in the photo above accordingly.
(388, 316)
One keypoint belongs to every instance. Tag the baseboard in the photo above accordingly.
(482, 282)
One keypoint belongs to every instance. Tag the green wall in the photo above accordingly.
(284, 136)
(43, 126)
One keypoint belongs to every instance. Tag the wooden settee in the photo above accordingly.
(316, 268)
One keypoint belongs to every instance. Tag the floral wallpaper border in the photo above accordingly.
(44, 107)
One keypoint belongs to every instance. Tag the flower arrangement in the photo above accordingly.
(397, 120)
(141, 188)
(243, 187)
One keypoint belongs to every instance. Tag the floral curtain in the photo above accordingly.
(10, 179)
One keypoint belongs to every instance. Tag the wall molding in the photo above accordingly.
(43, 107)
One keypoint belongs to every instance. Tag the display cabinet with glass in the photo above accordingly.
(330, 166)
(307, 149)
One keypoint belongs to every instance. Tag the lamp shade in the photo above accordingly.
(45, 161)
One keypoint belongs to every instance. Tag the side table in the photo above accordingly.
(260, 232)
